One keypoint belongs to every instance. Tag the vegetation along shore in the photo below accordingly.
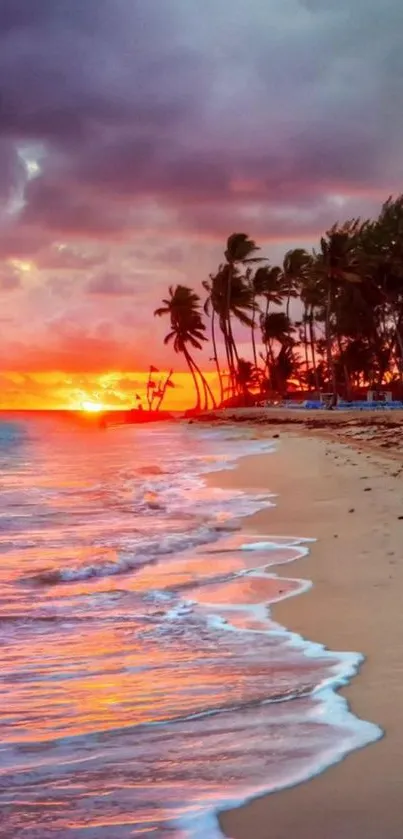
(329, 320)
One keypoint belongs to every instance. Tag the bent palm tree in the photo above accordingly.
(187, 328)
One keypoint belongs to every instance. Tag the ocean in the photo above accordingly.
(144, 685)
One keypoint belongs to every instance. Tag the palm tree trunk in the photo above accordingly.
(345, 371)
(233, 344)
(287, 305)
(228, 351)
(399, 340)
(253, 332)
(203, 384)
(265, 317)
(206, 387)
(229, 330)
(211, 394)
(234, 355)
(231, 360)
(398, 335)
(306, 343)
(329, 343)
(189, 361)
(290, 289)
(312, 339)
(270, 363)
(217, 363)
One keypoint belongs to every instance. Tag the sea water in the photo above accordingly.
(144, 685)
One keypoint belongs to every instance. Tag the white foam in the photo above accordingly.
(331, 708)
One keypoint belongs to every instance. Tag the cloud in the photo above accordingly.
(10, 278)
(67, 258)
(135, 136)
(11, 173)
(72, 347)
(109, 283)
(184, 108)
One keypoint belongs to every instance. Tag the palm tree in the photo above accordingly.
(240, 307)
(351, 319)
(187, 328)
(285, 366)
(276, 329)
(276, 326)
(336, 263)
(312, 294)
(213, 307)
(216, 305)
(248, 376)
(295, 264)
(264, 283)
(382, 249)
(240, 251)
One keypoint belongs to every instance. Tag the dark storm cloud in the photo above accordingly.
(69, 66)
(65, 210)
(11, 173)
(195, 106)
(79, 68)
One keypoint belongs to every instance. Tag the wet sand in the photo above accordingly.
(352, 501)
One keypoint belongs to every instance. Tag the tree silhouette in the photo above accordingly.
(347, 330)
(187, 328)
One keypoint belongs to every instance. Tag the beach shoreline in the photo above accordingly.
(349, 497)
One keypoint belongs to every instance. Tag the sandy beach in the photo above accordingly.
(350, 498)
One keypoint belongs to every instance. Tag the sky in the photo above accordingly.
(136, 135)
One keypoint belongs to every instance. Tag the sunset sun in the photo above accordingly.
(92, 407)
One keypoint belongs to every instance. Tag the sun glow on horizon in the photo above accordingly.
(92, 407)
(93, 393)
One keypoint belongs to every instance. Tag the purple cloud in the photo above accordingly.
(131, 103)
(110, 284)
(135, 136)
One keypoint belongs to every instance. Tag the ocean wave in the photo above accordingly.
(147, 553)
(208, 693)
(214, 515)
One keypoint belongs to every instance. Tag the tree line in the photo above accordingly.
(329, 320)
